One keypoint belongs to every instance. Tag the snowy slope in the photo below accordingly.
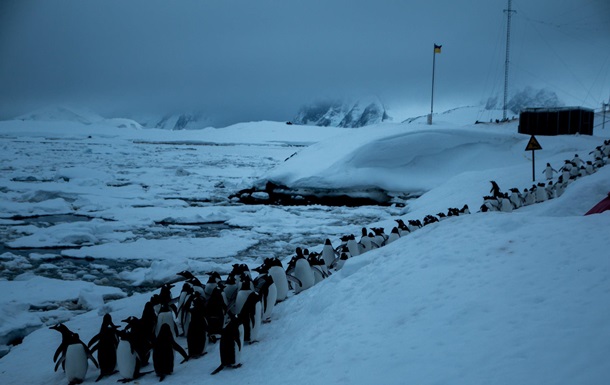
(487, 298)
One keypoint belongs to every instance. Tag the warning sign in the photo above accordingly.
(533, 144)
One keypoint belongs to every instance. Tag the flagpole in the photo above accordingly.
(437, 48)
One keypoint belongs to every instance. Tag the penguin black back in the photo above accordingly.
(163, 352)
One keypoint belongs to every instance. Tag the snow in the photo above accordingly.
(486, 298)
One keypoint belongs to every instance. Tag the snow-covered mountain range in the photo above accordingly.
(344, 114)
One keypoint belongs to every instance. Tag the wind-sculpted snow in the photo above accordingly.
(511, 298)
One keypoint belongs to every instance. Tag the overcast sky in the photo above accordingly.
(242, 60)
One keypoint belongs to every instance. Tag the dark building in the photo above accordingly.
(556, 121)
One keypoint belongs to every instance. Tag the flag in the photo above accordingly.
(437, 48)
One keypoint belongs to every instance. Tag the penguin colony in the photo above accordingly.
(231, 311)
(568, 173)
(227, 311)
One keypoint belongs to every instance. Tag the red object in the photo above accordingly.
(602, 206)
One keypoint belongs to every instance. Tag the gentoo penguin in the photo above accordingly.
(505, 204)
(414, 224)
(128, 361)
(231, 288)
(274, 267)
(320, 271)
(380, 236)
(197, 330)
(214, 278)
(328, 253)
(394, 235)
(304, 274)
(166, 316)
(60, 354)
(352, 245)
(191, 280)
(341, 261)
(231, 342)
(365, 241)
(249, 309)
(265, 287)
(215, 311)
(184, 298)
(465, 210)
(105, 343)
(163, 352)
(76, 359)
(140, 338)
(402, 227)
(541, 194)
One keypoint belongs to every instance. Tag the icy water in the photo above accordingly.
(91, 177)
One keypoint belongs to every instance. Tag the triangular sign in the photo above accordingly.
(533, 145)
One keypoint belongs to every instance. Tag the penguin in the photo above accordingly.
(197, 331)
(318, 267)
(414, 225)
(394, 235)
(365, 242)
(403, 229)
(140, 339)
(231, 343)
(105, 343)
(215, 311)
(541, 194)
(328, 253)
(276, 270)
(128, 360)
(465, 210)
(231, 288)
(60, 353)
(265, 287)
(380, 236)
(166, 316)
(352, 245)
(248, 308)
(185, 297)
(192, 281)
(149, 319)
(505, 204)
(214, 278)
(76, 359)
(341, 261)
(163, 352)
(304, 274)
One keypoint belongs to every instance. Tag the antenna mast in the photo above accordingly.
(509, 13)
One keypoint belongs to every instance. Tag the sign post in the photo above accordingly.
(532, 146)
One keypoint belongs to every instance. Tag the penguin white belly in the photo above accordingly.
(318, 275)
(258, 321)
(353, 247)
(328, 254)
(242, 296)
(241, 343)
(165, 317)
(392, 237)
(76, 363)
(281, 282)
(126, 360)
(271, 300)
(303, 272)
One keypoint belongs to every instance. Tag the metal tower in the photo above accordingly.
(509, 13)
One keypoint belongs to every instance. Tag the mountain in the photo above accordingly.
(528, 97)
(175, 121)
(361, 113)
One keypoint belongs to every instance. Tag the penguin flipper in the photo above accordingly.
(93, 340)
(60, 348)
(179, 349)
(294, 279)
(218, 369)
(61, 361)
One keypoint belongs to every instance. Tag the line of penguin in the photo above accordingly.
(569, 172)
(229, 311)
